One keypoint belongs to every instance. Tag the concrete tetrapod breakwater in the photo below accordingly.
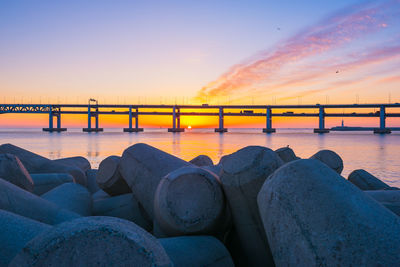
(256, 207)
(388, 198)
(80, 162)
(19, 201)
(72, 197)
(196, 251)
(143, 166)
(15, 232)
(286, 154)
(125, 207)
(330, 158)
(202, 160)
(109, 177)
(366, 181)
(12, 170)
(35, 163)
(88, 241)
(243, 174)
(314, 217)
(44, 182)
(189, 200)
(100, 194)
(92, 185)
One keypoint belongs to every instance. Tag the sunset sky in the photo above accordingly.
(219, 52)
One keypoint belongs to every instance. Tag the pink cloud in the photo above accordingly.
(332, 33)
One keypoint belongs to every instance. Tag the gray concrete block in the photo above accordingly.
(391, 196)
(100, 194)
(92, 185)
(392, 206)
(366, 181)
(314, 217)
(235, 248)
(156, 231)
(286, 154)
(216, 169)
(196, 251)
(142, 166)
(202, 160)
(30, 160)
(125, 207)
(189, 201)
(15, 232)
(12, 170)
(53, 167)
(243, 174)
(24, 203)
(93, 241)
(35, 163)
(330, 158)
(72, 197)
(109, 177)
(388, 198)
(78, 161)
(44, 182)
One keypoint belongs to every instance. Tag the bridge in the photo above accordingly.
(133, 112)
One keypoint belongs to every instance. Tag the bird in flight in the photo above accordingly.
(337, 71)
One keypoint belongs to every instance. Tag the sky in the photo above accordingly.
(192, 52)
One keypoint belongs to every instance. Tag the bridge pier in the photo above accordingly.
(269, 128)
(321, 128)
(136, 116)
(382, 123)
(176, 121)
(221, 128)
(51, 117)
(89, 129)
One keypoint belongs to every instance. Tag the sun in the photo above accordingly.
(189, 127)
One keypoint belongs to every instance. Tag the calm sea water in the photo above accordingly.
(378, 154)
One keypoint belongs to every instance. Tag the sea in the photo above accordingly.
(378, 154)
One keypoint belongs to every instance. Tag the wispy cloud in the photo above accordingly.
(310, 55)
(376, 56)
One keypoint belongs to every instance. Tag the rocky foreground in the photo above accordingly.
(256, 207)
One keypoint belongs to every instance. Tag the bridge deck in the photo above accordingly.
(176, 111)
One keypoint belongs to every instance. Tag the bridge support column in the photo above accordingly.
(176, 121)
(221, 128)
(96, 117)
(321, 128)
(58, 120)
(89, 118)
(89, 129)
(137, 120)
(136, 129)
(269, 128)
(382, 122)
(51, 119)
